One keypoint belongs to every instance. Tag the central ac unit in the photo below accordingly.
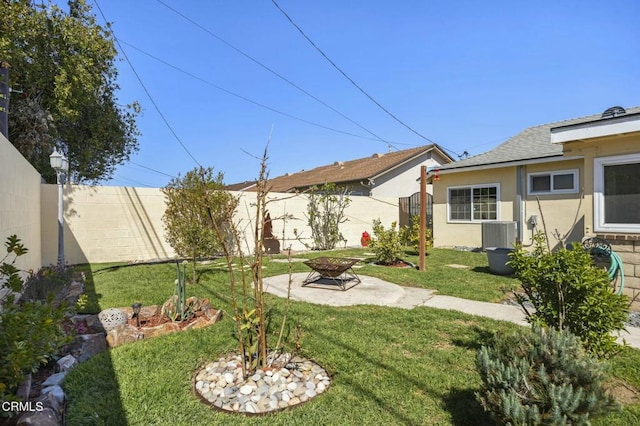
(499, 234)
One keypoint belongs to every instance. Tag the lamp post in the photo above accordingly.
(60, 164)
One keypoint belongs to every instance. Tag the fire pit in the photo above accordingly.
(332, 271)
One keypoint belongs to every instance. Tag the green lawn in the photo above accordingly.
(388, 365)
(153, 284)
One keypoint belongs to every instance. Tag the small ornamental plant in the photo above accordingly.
(541, 376)
(31, 332)
(568, 292)
(410, 235)
(386, 244)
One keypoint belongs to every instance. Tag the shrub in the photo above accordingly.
(568, 292)
(10, 280)
(190, 200)
(541, 377)
(410, 235)
(325, 213)
(385, 243)
(31, 332)
(50, 280)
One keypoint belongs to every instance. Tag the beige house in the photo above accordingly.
(571, 179)
(390, 174)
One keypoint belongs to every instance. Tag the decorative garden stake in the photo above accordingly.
(136, 312)
(181, 302)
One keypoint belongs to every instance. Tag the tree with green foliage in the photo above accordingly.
(541, 377)
(63, 74)
(325, 213)
(568, 292)
(186, 218)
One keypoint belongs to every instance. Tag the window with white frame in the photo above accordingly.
(556, 182)
(473, 203)
(617, 193)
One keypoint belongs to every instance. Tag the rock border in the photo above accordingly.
(289, 382)
(50, 405)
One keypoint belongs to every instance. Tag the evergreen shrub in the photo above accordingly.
(410, 235)
(567, 291)
(541, 376)
(385, 243)
(31, 332)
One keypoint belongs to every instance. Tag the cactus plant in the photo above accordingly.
(176, 307)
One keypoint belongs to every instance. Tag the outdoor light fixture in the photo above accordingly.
(60, 164)
(136, 312)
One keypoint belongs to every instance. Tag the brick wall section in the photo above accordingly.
(628, 248)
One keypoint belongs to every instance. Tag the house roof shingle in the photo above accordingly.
(348, 171)
(532, 143)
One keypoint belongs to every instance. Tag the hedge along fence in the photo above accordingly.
(111, 224)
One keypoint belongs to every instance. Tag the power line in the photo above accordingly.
(144, 87)
(246, 55)
(244, 98)
(152, 170)
(324, 55)
(345, 74)
(125, 180)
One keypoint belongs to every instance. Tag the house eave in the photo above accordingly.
(540, 160)
(628, 123)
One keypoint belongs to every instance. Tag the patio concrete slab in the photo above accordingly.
(370, 291)
(374, 291)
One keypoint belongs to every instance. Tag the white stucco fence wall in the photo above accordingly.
(105, 224)
(116, 224)
(360, 214)
(19, 204)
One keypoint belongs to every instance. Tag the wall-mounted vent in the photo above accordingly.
(498, 234)
(615, 111)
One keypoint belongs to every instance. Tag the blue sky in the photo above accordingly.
(465, 74)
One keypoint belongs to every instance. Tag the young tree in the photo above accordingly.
(325, 213)
(186, 219)
(62, 69)
(246, 280)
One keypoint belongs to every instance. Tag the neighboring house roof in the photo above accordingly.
(533, 143)
(240, 186)
(361, 169)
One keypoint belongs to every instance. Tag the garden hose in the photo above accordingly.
(616, 270)
(602, 251)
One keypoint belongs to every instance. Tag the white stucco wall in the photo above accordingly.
(19, 204)
(114, 224)
(105, 224)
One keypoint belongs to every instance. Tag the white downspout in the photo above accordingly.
(520, 205)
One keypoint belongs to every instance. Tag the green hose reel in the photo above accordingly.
(601, 252)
